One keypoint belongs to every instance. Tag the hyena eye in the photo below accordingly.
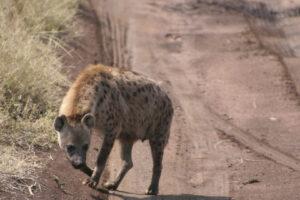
(85, 147)
(71, 148)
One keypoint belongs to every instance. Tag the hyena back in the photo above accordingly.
(117, 104)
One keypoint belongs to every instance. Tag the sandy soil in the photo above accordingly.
(235, 131)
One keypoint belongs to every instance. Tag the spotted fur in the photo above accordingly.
(125, 106)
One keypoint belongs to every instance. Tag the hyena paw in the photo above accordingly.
(152, 191)
(90, 182)
(110, 185)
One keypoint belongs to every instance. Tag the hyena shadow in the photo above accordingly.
(131, 196)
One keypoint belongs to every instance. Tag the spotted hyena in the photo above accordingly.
(118, 104)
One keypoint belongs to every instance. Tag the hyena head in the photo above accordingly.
(74, 139)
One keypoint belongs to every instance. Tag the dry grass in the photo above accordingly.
(21, 172)
(30, 82)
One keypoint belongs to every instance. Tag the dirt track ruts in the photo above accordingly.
(235, 110)
(167, 47)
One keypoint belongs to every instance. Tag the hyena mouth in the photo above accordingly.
(84, 168)
(78, 166)
(77, 163)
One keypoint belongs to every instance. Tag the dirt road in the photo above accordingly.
(235, 131)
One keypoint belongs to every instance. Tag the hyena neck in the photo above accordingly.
(85, 92)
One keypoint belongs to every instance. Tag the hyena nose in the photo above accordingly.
(77, 163)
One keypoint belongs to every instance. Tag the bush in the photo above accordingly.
(31, 84)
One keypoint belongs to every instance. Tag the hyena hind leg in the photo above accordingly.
(126, 149)
(157, 151)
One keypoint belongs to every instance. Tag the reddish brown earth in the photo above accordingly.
(226, 67)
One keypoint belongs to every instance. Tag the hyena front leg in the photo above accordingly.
(103, 154)
(157, 150)
(126, 149)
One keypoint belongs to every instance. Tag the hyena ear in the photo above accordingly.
(60, 122)
(88, 120)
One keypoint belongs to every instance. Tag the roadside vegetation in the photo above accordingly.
(31, 84)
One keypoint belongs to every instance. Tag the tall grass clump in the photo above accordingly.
(30, 80)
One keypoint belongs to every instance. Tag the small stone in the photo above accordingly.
(273, 119)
